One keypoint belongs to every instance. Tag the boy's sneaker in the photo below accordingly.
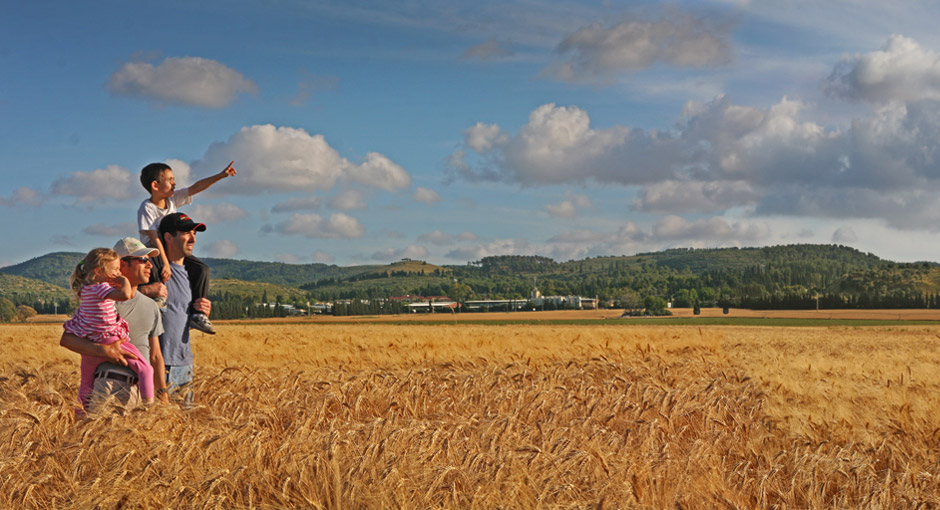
(201, 322)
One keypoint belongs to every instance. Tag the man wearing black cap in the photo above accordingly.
(178, 234)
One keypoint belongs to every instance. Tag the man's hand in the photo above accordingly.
(115, 353)
(153, 290)
(203, 305)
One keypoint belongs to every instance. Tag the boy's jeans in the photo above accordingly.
(178, 377)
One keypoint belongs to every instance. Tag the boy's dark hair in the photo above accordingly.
(151, 173)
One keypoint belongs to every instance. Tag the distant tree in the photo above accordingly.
(7, 310)
(23, 313)
(655, 305)
(630, 302)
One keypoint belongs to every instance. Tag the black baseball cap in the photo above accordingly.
(179, 222)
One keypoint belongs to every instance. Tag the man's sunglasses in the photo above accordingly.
(142, 260)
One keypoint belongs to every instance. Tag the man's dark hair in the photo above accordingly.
(151, 173)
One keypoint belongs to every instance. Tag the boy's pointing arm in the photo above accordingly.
(203, 184)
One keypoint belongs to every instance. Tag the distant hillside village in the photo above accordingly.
(410, 303)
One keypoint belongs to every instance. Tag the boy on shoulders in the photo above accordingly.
(165, 199)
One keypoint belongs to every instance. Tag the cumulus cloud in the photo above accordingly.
(338, 226)
(674, 196)
(408, 252)
(187, 81)
(116, 231)
(565, 209)
(297, 204)
(721, 155)
(272, 158)
(467, 236)
(901, 70)
(222, 249)
(112, 182)
(217, 213)
(595, 52)
(436, 237)
(426, 196)
(569, 208)
(349, 200)
(22, 197)
(489, 50)
(715, 229)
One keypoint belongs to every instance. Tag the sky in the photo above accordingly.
(364, 132)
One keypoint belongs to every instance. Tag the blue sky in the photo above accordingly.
(368, 131)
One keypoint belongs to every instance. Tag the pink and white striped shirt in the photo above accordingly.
(96, 318)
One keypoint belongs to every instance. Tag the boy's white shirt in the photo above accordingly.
(149, 215)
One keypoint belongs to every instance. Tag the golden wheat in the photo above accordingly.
(466, 416)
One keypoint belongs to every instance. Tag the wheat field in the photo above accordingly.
(474, 416)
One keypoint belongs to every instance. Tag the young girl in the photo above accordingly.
(98, 282)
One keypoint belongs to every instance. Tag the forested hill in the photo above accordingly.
(743, 275)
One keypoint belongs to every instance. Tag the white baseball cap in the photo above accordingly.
(132, 247)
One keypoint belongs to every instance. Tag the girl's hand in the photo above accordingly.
(118, 281)
(165, 273)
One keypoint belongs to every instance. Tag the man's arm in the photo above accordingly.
(159, 369)
(112, 352)
(153, 290)
(203, 184)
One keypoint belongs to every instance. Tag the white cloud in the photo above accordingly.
(338, 226)
(217, 213)
(270, 158)
(408, 252)
(467, 236)
(322, 257)
(116, 231)
(901, 70)
(426, 196)
(436, 237)
(565, 209)
(569, 208)
(297, 204)
(672, 196)
(381, 172)
(481, 137)
(112, 182)
(595, 53)
(222, 249)
(188, 81)
(715, 229)
(722, 155)
(22, 197)
(349, 200)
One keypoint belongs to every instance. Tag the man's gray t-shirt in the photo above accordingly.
(174, 342)
(143, 321)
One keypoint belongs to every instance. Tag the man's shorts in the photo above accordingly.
(113, 387)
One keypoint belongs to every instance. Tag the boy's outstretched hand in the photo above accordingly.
(229, 170)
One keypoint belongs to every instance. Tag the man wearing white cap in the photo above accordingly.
(142, 314)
